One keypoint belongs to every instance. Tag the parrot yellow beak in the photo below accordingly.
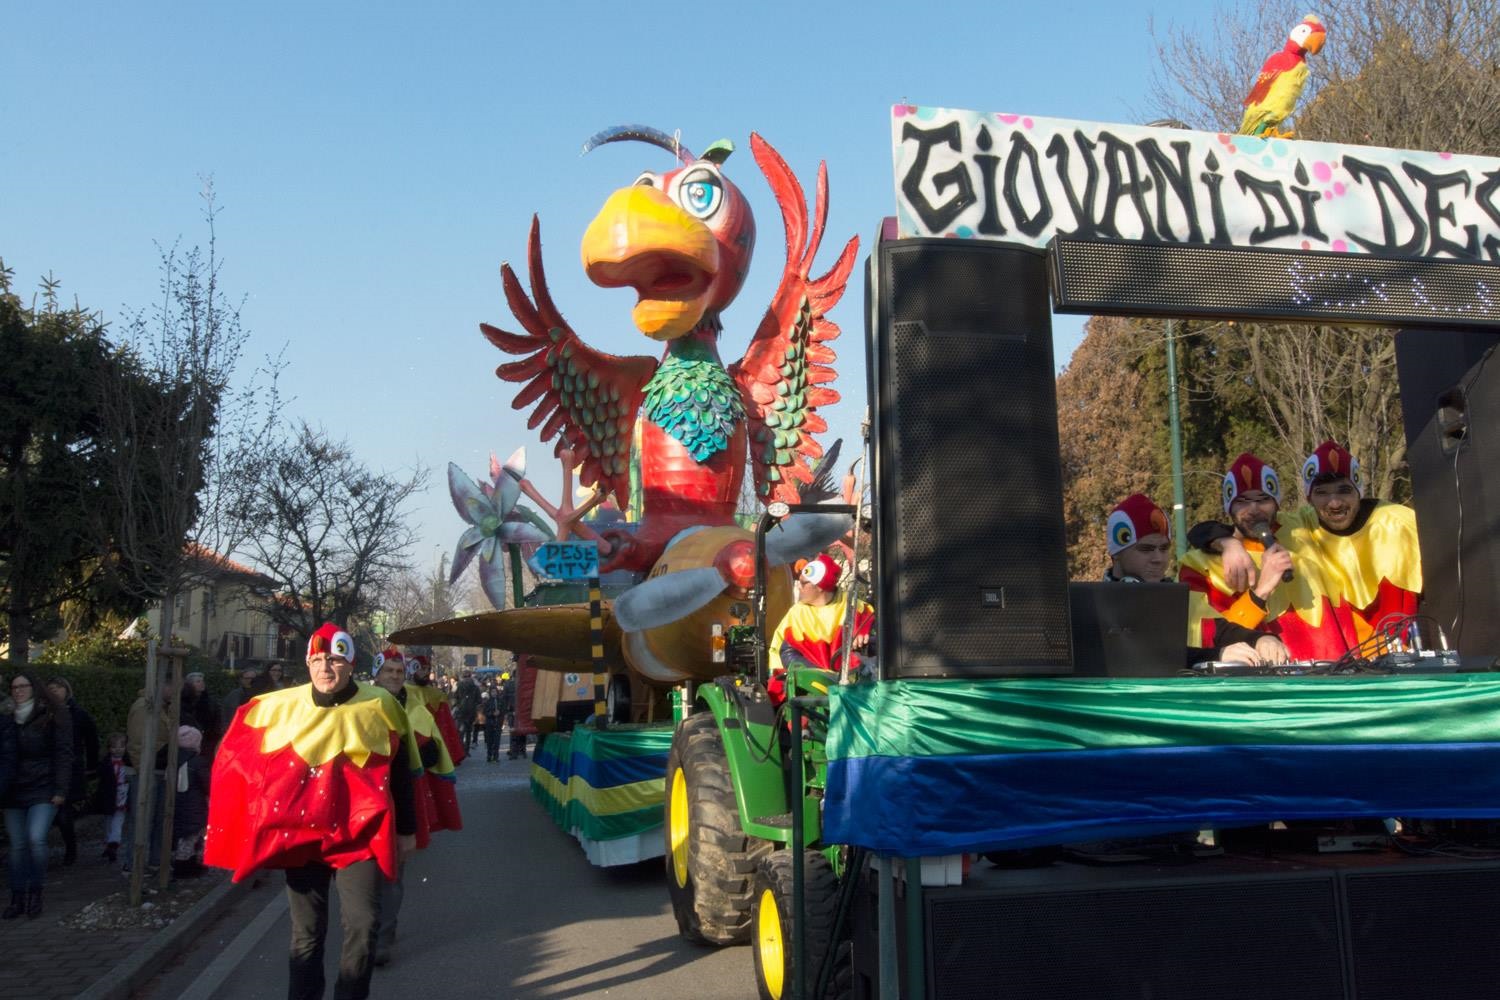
(644, 240)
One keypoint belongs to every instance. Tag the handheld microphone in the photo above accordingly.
(1263, 534)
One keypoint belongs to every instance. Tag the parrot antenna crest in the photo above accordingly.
(641, 133)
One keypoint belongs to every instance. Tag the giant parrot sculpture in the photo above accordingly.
(1277, 89)
(683, 240)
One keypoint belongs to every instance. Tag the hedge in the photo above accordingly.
(107, 693)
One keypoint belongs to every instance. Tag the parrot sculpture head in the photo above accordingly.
(1308, 36)
(682, 238)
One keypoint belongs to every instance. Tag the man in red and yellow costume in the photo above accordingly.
(1366, 549)
(436, 796)
(420, 687)
(812, 632)
(318, 780)
(1301, 611)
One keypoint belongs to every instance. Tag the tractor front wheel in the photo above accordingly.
(710, 860)
(774, 944)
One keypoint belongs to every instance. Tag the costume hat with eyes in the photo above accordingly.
(331, 639)
(1249, 473)
(1134, 518)
(1330, 462)
(821, 572)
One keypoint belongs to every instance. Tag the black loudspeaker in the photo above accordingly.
(970, 549)
(1450, 400)
(1424, 934)
(1267, 937)
(1348, 927)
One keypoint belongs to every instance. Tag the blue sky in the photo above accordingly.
(375, 163)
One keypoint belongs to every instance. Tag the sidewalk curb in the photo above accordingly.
(163, 946)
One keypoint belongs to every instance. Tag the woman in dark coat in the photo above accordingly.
(44, 772)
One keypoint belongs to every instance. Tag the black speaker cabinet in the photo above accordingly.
(1182, 941)
(970, 549)
(1347, 927)
(1424, 934)
(1450, 400)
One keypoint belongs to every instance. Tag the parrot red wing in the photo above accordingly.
(782, 377)
(590, 396)
(1278, 63)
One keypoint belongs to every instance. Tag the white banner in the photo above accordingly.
(1020, 179)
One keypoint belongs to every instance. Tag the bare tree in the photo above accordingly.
(413, 597)
(330, 533)
(175, 431)
(164, 404)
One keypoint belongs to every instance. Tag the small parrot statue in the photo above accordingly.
(1274, 96)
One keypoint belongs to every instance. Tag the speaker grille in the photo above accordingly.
(1149, 279)
(972, 549)
(1224, 940)
(1425, 934)
(1450, 398)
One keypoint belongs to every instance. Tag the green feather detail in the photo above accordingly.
(693, 399)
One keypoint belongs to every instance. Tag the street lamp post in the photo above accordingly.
(1179, 511)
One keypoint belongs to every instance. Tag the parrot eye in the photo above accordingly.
(700, 192)
(647, 179)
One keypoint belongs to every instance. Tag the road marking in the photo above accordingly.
(211, 978)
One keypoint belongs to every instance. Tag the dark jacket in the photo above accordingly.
(105, 789)
(44, 759)
(200, 712)
(466, 701)
(85, 750)
(493, 709)
(191, 814)
(8, 752)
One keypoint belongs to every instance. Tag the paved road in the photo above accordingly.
(507, 907)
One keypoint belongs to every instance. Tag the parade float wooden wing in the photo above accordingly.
(558, 635)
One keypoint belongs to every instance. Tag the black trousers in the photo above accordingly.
(359, 912)
(391, 894)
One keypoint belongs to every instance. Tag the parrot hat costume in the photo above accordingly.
(1329, 462)
(296, 782)
(1132, 519)
(1248, 473)
(821, 572)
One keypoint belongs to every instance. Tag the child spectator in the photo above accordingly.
(190, 818)
(112, 795)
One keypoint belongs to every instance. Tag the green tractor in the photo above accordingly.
(744, 791)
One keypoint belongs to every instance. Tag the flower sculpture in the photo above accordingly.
(495, 520)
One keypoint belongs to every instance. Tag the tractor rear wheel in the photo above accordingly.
(774, 944)
(710, 861)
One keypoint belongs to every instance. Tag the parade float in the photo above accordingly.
(841, 832)
(669, 441)
(838, 829)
